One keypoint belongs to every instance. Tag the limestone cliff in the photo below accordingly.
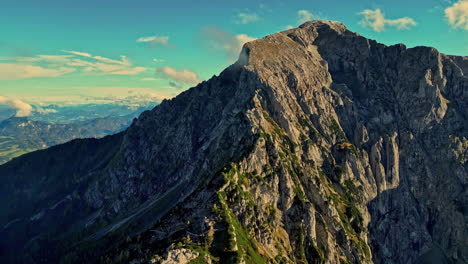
(317, 146)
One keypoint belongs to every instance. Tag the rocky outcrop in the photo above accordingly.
(180, 256)
(317, 146)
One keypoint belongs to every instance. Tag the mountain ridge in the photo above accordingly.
(292, 152)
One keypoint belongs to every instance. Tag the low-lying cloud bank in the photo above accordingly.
(22, 108)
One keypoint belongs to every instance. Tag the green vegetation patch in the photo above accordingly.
(240, 241)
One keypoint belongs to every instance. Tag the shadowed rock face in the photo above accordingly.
(318, 145)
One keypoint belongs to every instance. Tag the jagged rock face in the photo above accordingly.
(317, 146)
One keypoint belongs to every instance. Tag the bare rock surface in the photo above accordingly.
(317, 146)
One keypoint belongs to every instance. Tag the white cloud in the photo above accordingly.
(228, 42)
(183, 76)
(22, 108)
(246, 18)
(457, 14)
(150, 79)
(376, 20)
(103, 65)
(56, 65)
(241, 39)
(303, 16)
(123, 59)
(41, 110)
(159, 60)
(40, 58)
(18, 71)
(84, 54)
(131, 71)
(155, 40)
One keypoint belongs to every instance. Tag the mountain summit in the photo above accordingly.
(317, 146)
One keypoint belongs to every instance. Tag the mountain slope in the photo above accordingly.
(317, 146)
(22, 135)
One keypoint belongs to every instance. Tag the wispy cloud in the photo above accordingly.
(40, 58)
(22, 108)
(15, 68)
(131, 71)
(18, 71)
(457, 14)
(230, 43)
(123, 59)
(84, 54)
(103, 65)
(150, 79)
(178, 77)
(376, 20)
(303, 16)
(246, 18)
(155, 40)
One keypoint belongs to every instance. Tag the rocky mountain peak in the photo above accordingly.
(318, 145)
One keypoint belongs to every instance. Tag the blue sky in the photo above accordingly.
(69, 50)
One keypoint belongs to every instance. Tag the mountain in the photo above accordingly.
(317, 146)
(66, 114)
(6, 112)
(19, 135)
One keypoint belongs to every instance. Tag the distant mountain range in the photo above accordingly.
(53, 124)
(20, 135)
(66, 114)
(6, 112)
(70, 113)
